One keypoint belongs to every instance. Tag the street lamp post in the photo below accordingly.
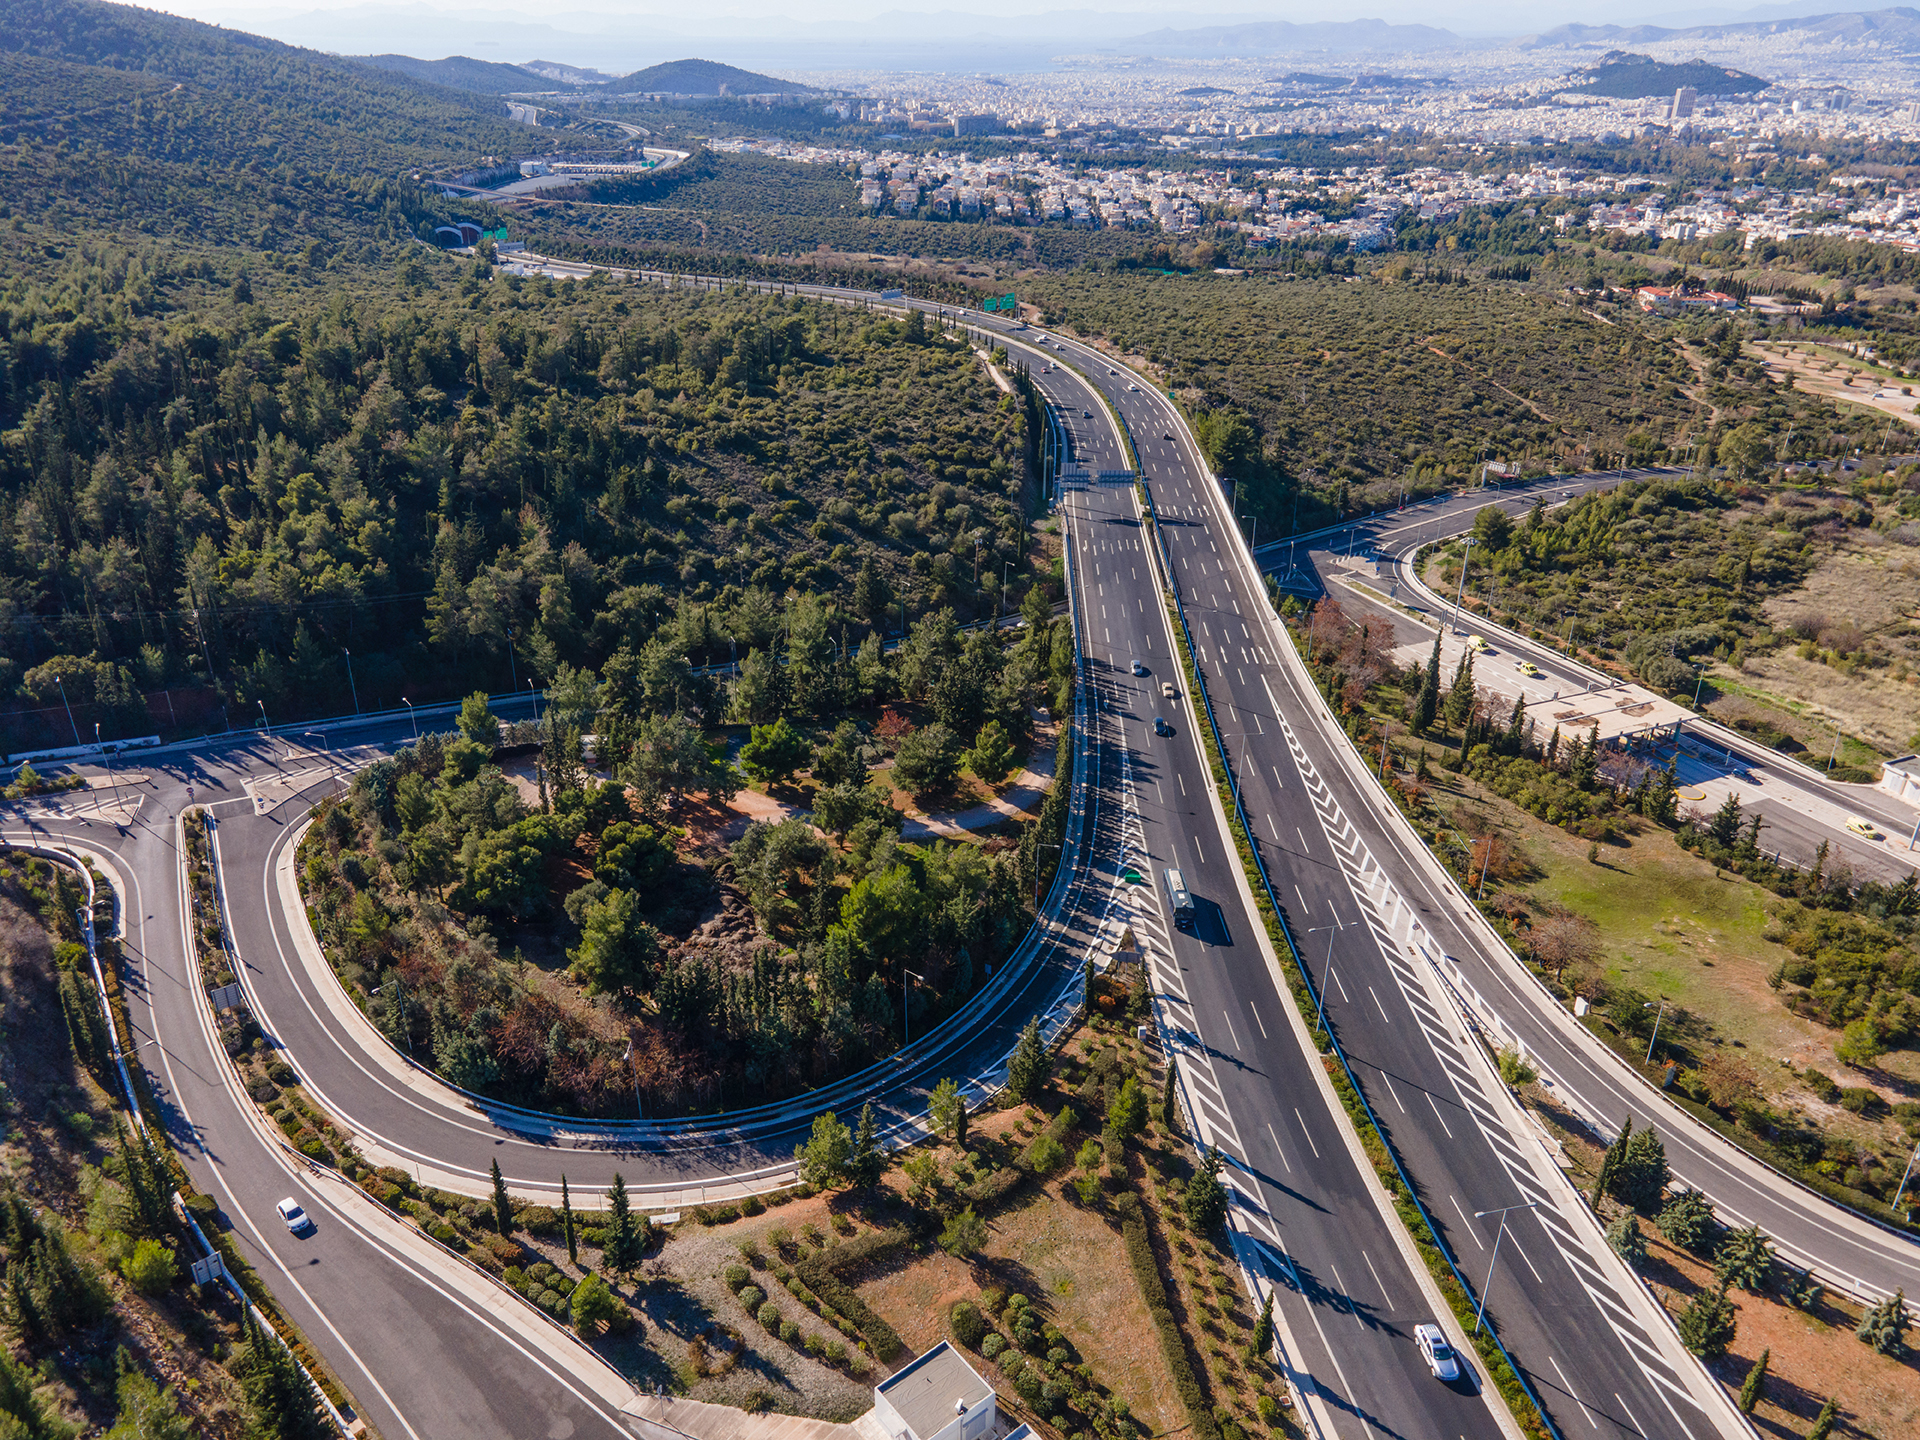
(1326, 975)
(639, 1110)
(61, 682)
(1255, 540)
(264, 726)
(1480, 1313)
(411, 716)
(353, 688)
(533, 690)
(906, 1010)
(1460, 599)
(1906, 1175)
(1656, 1025)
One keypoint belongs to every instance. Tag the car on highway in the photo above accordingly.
(1112, 371)
(1477, 644)
(1086, 414)
(1528, 669)
(292, 1216)
(1166, 689)
(1139, 668)
(1161, 727)
(1860, 825)
(1166, 437)
(1438, 1354)
(1133, 387)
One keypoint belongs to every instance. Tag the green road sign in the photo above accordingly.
(1007, 303)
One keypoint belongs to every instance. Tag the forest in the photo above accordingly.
(567, 940)
(1331, 396)
(465, 478)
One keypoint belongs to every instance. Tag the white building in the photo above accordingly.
(938, 1397)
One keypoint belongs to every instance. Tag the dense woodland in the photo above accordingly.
(469, 464)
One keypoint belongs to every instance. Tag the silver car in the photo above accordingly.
(1438, 1354)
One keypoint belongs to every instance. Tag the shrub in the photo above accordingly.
(1153, 1290)
(150, 1267)
(992, 1344)
(736, 1276)
(769, 1315)
(1707, 1325)
(789, 1331)
(1884, 1327)
(753, 1297)
(1623, 1235)
(969, 1326)
(753, 1205)
(817, 1271)
(1687, 1220)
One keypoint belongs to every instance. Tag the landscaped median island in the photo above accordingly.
(1784, 999)
(556, 935)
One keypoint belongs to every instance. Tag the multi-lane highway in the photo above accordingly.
(1391, 941)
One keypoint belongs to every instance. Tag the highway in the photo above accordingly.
(423, 1352)
(1347, 1293)
(1367, 861)
(1596, 1359)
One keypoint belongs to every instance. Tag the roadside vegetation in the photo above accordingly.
(1626, 923)
(563, 937)
(106, 1333)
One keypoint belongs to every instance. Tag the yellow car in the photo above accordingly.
(1529, 669)
(1860, 826)
(1477, 644)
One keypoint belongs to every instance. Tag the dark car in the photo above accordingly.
(1161, 727)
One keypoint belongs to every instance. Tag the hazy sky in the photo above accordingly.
(616, 36)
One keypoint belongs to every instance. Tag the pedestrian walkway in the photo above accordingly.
(670, 1417)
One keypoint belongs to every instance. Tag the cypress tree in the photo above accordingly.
(1611, 1160)
(1169, 1103)
(566, 1222)
(868, 1163)
(622, 1250)
(1756, 1381)
(1823, 1424)
(502, 1206)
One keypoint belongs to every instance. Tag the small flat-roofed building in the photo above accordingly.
(1901, 778)
(938, 1397)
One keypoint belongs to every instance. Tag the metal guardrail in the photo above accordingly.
(1293, 949)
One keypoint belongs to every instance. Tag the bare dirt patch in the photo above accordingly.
(1830, 375)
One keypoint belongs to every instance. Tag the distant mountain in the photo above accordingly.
(1279, 37)
(1624, 76)
(461, 72)
(705, 77)
(566, 74)
(1896, 29)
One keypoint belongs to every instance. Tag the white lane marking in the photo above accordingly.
(1438, 1116)
(1281, 1149)
(1383, 1009)
(1352, 1309)
(1306, 1132)
(1464, 1223)
(1230, 1030)
(1630, 1415)
(1377, 1280)
(1258, 1021)
(1393, 1092)
(1198, 851)
(1585, 1409)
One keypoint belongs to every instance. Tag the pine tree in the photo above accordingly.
(1755, 1382)
(566, 1222)
(1169, 1101)
(1745, 1259)
(1517, 725)
(1884, 1327)
(1823, 1423)
(502, 1206)
(1624, 1238)
(1426, 701)
(622, 1250)
(1029, 1066)
(1460, 698)
(1206, 1196)
(1262, 1341)
(868, 1162)
(1707, 1324)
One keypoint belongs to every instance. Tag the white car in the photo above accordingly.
(1438, 1354)
(295, 1218)
(1133, 387)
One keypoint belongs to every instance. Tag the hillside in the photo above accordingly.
(705, 77)
(118, 120)
(461, 72)
(1622, 76)
(1896, 29)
